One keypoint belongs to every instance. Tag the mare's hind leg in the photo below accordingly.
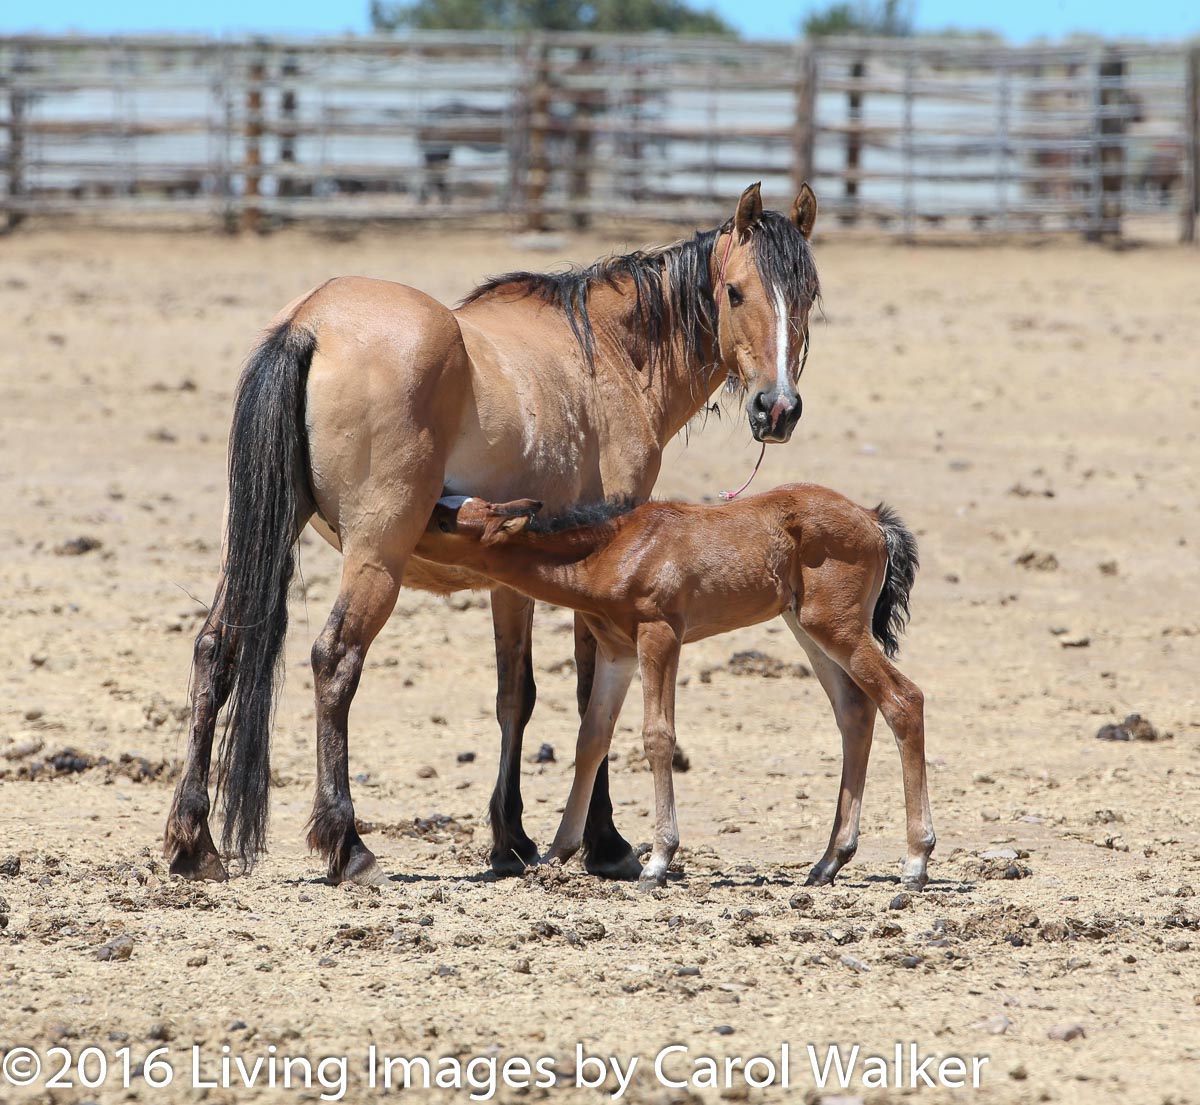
(903, 708)
(606, 853)
(855, 714)
(188, 841)
(516, 692)
(366, 599)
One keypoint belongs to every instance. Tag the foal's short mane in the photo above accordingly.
(672, 286)
(583, 515)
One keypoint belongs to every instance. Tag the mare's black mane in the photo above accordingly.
(672, 286)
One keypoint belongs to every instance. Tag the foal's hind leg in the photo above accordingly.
(365, 600)
(187, 840)
(855, 714)
(903, 708)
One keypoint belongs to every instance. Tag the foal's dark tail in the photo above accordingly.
(891, 608)
(268, 505)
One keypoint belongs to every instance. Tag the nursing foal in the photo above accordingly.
(649, 579)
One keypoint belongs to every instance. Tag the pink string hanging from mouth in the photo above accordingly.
(729, 496)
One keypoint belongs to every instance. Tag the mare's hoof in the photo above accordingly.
(819, 877)
(624, 868)
(513, 861)
(199, 867)
(363, 870)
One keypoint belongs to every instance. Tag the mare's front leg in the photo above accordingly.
(658, 655)
(516, 693)
(606, 852)
(366, 599)
(188, 841)
(611, 682)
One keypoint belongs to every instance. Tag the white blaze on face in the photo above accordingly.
(454, 502)
(782, 375)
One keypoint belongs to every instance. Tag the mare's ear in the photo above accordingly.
(497, 529)
(749, 211)
(804, 210)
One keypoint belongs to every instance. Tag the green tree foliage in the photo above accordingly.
(888, 18)
(617, 16)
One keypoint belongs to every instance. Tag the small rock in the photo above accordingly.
(545, 754)
(1134, 727)
(723, 1029)
(687, 972)
(591, 930)
(1018, 1073)
(854, 964)
(426, 772)
(522, 966)
(19, 750)
(33, 713)
(10, 866)
(118, 949)
(996, 1025)
(159, 1031)
(197, 961)
(911, 961)
(78, 546)
(901, 901)
(466, 757)
(1067, 1032)
(802, 901)
(1075, 641)
(326, 961)
(236, 1026)
(1107, 567)
(989, 813)
(1038, 561)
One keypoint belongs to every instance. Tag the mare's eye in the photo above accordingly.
(735, 296)
(444, 526)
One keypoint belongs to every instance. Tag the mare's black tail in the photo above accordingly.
(267, 507)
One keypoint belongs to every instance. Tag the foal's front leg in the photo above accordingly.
(658, 654)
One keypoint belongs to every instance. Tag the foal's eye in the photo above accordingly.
(444, 526)
(735, 296)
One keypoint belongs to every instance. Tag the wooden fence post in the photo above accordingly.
(539, 126)
(804, 128)
(583, 109)
(288, 72)
(1191, 199)
(18, 101)
(256, 76)
(1110, 148)
(854, 115)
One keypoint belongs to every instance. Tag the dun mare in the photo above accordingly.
(650, 579)
(367, 398)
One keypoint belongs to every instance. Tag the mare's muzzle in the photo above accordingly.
(773, 414)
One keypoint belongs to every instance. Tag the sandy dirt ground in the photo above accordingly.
(1033, 414)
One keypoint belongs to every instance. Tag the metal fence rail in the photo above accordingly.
(912, 136)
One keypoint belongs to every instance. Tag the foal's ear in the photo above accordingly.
(804, 210)
(749, 210)
(497, 529)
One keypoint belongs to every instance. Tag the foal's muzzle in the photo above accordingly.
(773, 414)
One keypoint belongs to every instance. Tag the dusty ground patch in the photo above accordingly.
(1031, 413)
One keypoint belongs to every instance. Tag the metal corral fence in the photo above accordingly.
(910, 136)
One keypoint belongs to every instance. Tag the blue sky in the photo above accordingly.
(1019, 20)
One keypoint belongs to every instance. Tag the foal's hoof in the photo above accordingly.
(362, 869)
(199, 867)
(513, 860)
(915, 883)
(624, 868)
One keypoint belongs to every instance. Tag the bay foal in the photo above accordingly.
(652, 578)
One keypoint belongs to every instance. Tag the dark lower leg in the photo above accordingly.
(337, 660)
(606, 852)
(187, 840)
(516, 693)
